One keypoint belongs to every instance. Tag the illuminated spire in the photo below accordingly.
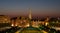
(30, 17)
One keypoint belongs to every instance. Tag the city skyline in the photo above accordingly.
(38, 7)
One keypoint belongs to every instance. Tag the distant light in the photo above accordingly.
(16, 25)
(27, 25)
(46, 24)
(12, 25)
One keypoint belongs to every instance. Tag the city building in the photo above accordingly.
(26, 22)
(4, 19)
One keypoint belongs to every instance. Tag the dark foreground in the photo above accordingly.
(41, 29)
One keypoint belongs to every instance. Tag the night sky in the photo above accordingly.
(38, 7)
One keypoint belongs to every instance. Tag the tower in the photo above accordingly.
(30, 17)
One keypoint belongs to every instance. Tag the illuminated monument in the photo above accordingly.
(30, 16)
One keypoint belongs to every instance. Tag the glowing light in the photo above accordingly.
(16, 25)
(12, 25)
(27, 25)
(46, 24)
